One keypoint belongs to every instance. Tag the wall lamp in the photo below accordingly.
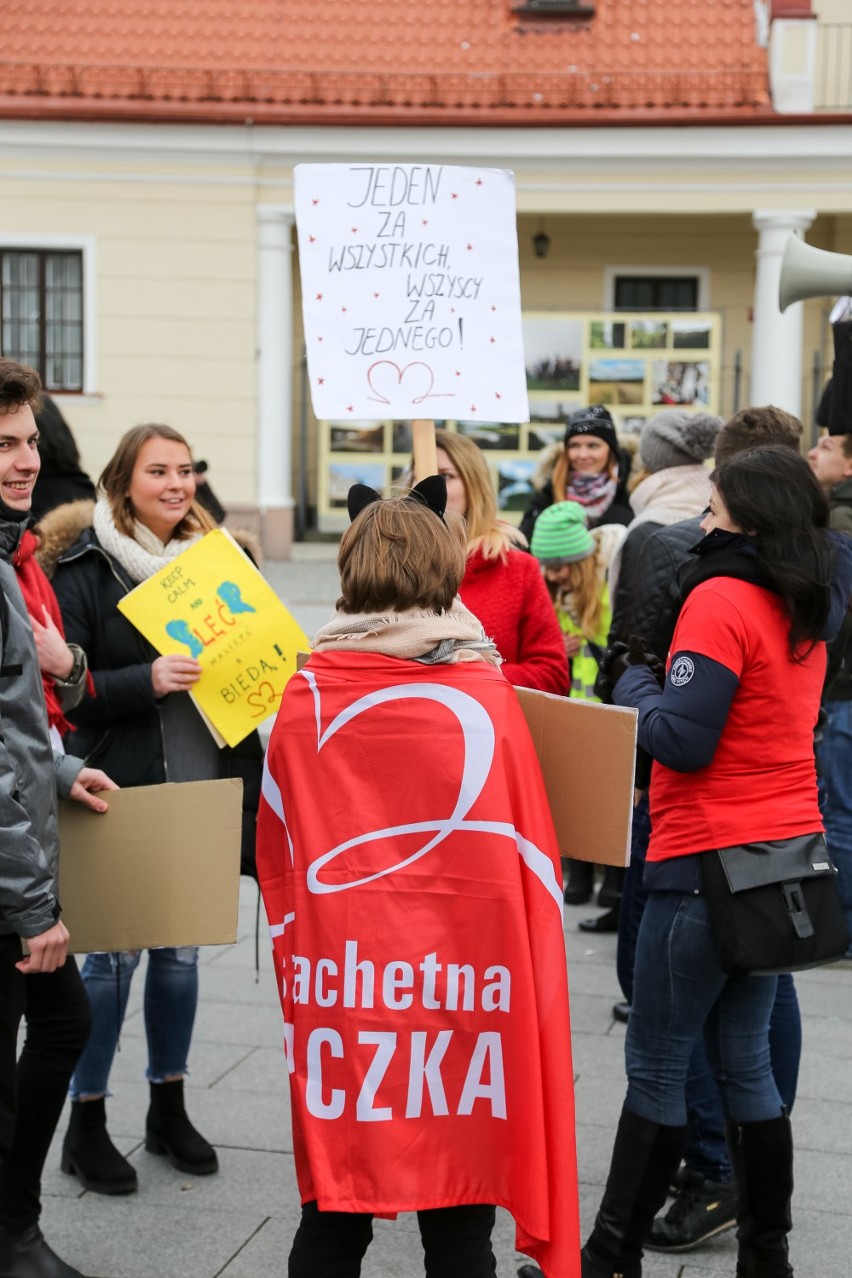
(541, 243)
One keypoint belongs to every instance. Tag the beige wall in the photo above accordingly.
(175, 301)
(176, 263)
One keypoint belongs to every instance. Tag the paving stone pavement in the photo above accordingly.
(239, 1223)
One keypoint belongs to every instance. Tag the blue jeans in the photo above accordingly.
(171, 997)
(633, 897)
(835, 764)
(681, 993)
(706, 1148)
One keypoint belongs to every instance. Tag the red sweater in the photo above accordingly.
(510, 599)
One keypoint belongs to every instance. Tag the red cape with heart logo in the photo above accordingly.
(413, 888)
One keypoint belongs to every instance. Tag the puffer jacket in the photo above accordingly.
(30, 774)
(121, 728)
(651, 600)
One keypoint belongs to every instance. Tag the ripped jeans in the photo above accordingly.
(171, 997)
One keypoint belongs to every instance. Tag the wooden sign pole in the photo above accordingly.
(425, 455)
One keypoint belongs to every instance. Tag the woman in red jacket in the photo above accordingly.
(502, 584)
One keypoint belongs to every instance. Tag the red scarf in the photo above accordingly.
(37, 590)
(412, 883)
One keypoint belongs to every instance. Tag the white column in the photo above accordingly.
(275, 377)
(776, 354)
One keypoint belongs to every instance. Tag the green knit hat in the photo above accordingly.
(560, 535)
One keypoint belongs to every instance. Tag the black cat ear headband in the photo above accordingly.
(431, 492)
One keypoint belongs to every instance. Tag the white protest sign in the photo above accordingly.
(410, 292)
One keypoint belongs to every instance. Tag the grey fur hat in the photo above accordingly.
(677, 438)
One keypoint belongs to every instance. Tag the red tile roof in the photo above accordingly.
(381, 61)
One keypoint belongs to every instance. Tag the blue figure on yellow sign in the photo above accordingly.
(180, 630)
(229, 593)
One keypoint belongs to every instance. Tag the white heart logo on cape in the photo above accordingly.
(478, 732)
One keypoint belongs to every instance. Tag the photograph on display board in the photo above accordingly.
(553, 352)
(680, 382)
(604, 335)
(631, 425)
(402, 441)
(616, 381)
(492, 435)
(357, 437)
(342, 475)
(648, 335)
(514, 483)
(691, 335)
(547, 420)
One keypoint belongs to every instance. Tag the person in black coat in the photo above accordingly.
(589, 469)
(143, 721)
(61, 478)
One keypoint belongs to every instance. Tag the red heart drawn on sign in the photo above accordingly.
(256, 699)
(386, 376)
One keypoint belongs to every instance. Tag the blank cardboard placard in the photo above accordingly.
(161, 867)
(587, 753)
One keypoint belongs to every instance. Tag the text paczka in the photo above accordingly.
(419, 1054)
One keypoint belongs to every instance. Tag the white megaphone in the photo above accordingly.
(812, 272)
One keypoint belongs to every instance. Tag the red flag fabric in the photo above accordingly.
(413, 888)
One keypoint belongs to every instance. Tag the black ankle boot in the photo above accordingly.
(169, 1131)
(762, 1156)
(645, 1157)
(580, 883)
(89, 1154)
(27, 1255)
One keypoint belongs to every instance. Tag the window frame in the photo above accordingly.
(699, 273)
(85, 245)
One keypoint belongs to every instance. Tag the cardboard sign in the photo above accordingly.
(212, 604)
(160, 867)
(411, 292)
(587, 753)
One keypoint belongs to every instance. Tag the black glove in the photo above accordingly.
(605, 682)
(639, 653)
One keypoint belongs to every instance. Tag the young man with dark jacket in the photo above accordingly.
(42, 986)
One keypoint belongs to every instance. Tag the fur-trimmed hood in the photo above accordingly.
(62, 527)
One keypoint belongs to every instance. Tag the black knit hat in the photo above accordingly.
(594, 420)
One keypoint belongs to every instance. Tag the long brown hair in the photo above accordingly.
(562, 469)
(582, 594)
(115, 479)
(485, 530)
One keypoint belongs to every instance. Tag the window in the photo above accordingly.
(656, 293)
(41, 313)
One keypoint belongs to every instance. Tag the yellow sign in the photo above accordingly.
(212, 604)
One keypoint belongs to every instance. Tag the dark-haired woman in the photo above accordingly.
(731, 735)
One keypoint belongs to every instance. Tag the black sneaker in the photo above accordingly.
(699, 1211)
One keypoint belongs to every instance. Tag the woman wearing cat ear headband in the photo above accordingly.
(413, 888)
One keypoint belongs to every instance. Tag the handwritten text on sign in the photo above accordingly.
(212, 604)
(410, 292)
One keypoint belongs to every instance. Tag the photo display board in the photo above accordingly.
(635, 363)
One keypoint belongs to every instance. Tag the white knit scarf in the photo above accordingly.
(141, 555)
(412, 635)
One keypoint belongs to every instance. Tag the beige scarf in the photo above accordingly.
(413, 635)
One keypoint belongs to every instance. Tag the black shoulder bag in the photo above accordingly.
(774, 906)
